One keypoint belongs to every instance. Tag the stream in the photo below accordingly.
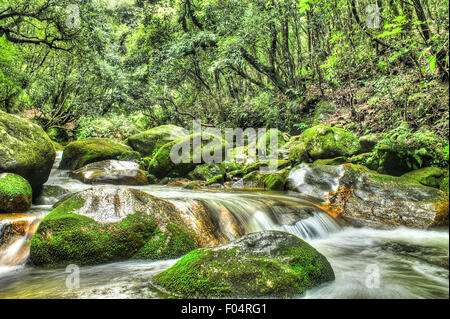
(368, 263)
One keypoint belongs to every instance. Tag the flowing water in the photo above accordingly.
(400, 263)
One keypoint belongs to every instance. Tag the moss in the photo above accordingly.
(428, 176)
(403, 150)
(236, 273)
(333, 161)
(130, 156)
(298, 153)
(207, 171)
(149, 142)
(323, 142)
(80, 153)
(274, 182)
(25, 149)
(15, 193)
(367, 159)
(161, 164)
(192, 185)
(216, 179)
(64, 237)
(264, 145)
(444, 186)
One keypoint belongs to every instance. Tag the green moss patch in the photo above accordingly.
(15, 193)
(64, 237)
(234, 271)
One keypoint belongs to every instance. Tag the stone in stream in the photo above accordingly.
(111, 172)
(25, 149)
(80, 153)
(361, 197)
(152, 140)
(51, 194)
(264, 264)
(15, 193)
(104, 224)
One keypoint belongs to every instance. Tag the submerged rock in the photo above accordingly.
(25, 149)
(15, 193)
(111, 172)
(51, 194)
(80, 153)
(265, 264)
(361, 197)
(148, 142)
(107, 224)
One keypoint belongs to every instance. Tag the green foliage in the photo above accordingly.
(113, 126)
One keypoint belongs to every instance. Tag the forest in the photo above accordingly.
(352, 100)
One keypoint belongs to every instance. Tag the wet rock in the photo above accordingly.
(111, 172)
(15, 193)
(149, 142)
(51, 194)
(361, 197)
(265, 264)
(80, 153)
(25, 149)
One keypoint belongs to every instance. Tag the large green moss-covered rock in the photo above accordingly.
(329, 142)
(162, 164)
(15, 193)
(25, 149)
(148, 142)
(107, 224)
(265, 264)
(80, 153)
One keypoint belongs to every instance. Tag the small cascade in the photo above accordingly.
(318, 226)
(16, 230)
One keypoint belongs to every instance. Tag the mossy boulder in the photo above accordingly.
(111, 172)
(25, 150)
(428, 176)
(298, 152)
(207, 171)
(58, 134)
(323, 142)
(368, 142)
(108, 224)
(361, 197)
(149, 142)
(80, 153)
(265, 264)
(162, 164)
(15, 193)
